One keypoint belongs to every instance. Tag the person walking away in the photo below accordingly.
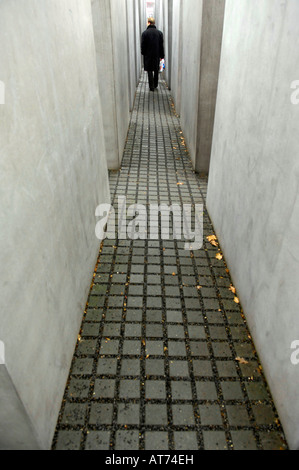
(152, 48)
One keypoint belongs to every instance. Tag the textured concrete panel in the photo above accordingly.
(191, 17)
(253, 194)
(16, 431)
(110, 30)
(53, 176)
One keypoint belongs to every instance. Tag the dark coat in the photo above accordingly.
(152, 48)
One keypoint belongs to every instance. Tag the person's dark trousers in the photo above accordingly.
(153, 79)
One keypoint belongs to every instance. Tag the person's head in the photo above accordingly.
(151, 21)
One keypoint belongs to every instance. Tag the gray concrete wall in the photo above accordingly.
(110, 30)
(191, 17)
(53, 175)
(134, 64)
(138, 32)
(211, 42)
(16, 430)
(253, 193)
(194, 50)
(176, 56)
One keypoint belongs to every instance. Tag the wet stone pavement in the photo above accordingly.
(164, 359)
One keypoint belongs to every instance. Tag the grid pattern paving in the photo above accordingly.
(164, 359)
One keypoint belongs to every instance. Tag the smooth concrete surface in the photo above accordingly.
(194, 48)
(110, 31)
(176, 56)
(53, 176)
(253, 193)
(131, 61)
(211, 42)
(16, 430)
(191, 17)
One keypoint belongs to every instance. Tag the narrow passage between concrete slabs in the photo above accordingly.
(164, 360)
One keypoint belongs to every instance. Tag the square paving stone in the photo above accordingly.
(172, 303)
(250, 370)
(196, 332)
(135, 302)
(210, 415)
(155, 367)
(87, 347)
(130, 367)
(211, 304)
(154, 348)
(174, 316)
(131, 348)
(257, 391)
(263, 414)
(98, 440)
(218, 332)
(155, 390)
(221, 349)
(136, 291)
(237, 415)
(94, 315)
(68, 440)
(206, 391)
(176, 348)
(113, 315)
(82, 366)
(185, 440)
(202, 368)
(107, 366)
(214, 317)
(128, 414)
(101, 414)
(154, 279)
(195, 317)
(115, 302)
(155, 415)
(74, 414)
(133, 330)
(78, 388)
(199, 348)
(129, 389)
(214, 440)
(154, 290)
(111, 330)
(109, 347)
(243, 440)
(104, 388)
(90, 329)
(154, 331)
(272, 440)
(181, 390)
(231, 391)
(133, 315)
(179, 369)
(183, 415)
(226, 369)
(154, 302)
(156, 440)
(175, 331)
(153, 316)
(127, 440)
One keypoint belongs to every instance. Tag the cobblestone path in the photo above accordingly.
(164, 360)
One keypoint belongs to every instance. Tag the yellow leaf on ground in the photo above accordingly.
(232, 289)
(241, 360)
(219, 256)
(237, 300)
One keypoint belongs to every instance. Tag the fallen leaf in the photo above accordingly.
(232, 289)
(237, 300)
(241, 360)
(219, 256)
